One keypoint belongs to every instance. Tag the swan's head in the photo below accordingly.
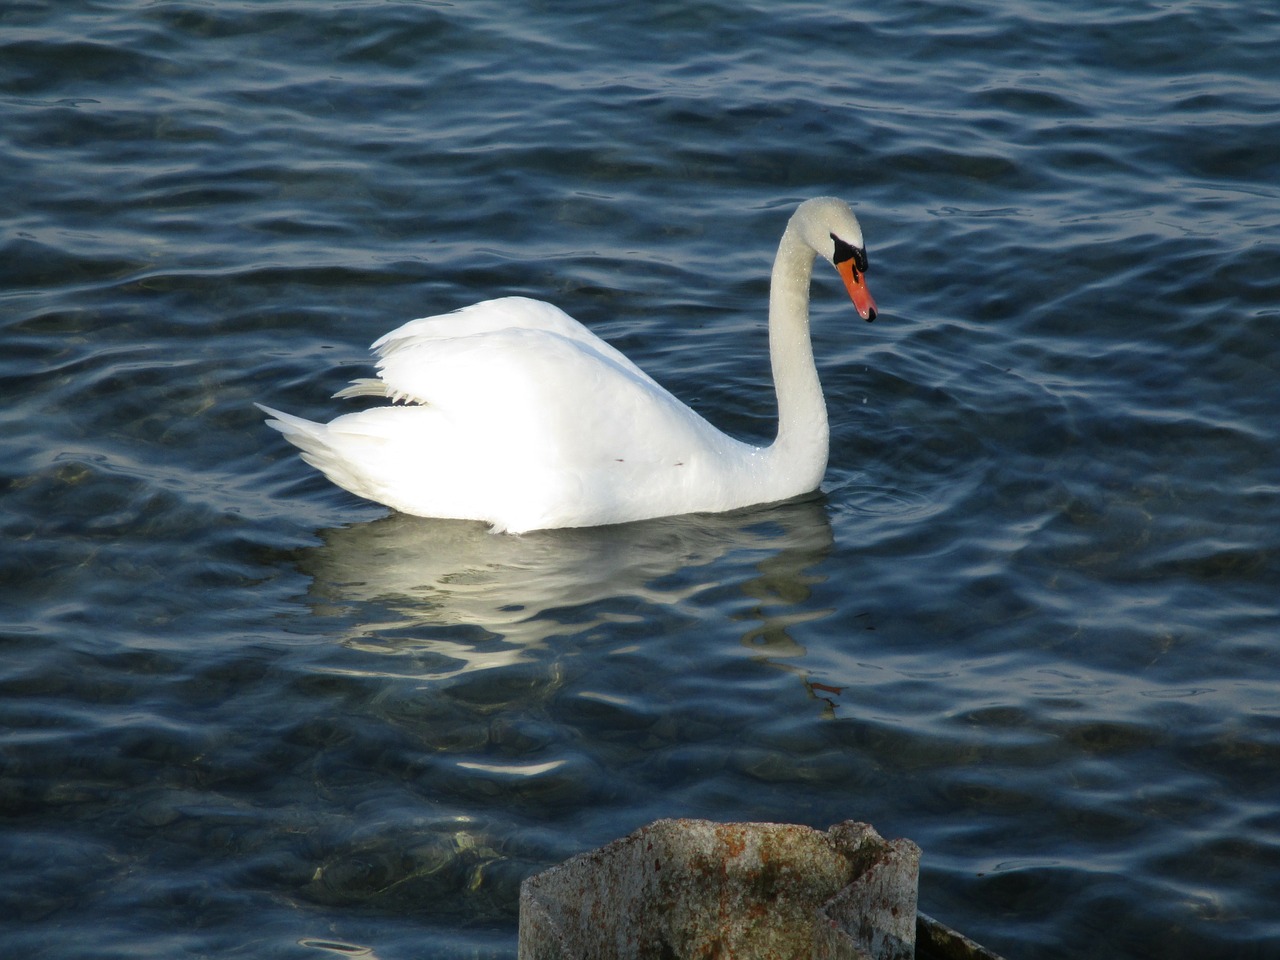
(829, 226)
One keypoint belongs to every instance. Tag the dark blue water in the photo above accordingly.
(1033, 623)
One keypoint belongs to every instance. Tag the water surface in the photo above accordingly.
(1030, 622)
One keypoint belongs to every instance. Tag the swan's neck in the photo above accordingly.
(800, 451)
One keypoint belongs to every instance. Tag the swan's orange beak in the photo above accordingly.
(856, 284)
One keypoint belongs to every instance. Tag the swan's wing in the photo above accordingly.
(543, 394)
(523, 374)
(490, 316)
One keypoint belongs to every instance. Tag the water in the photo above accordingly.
(1031, 623)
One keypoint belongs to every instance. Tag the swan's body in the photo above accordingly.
(511, 412)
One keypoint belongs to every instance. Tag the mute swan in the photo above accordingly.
(511, 412)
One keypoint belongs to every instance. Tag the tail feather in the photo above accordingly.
(362, 387)
(313, 439)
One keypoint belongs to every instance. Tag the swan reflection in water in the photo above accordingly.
(500, 673)
(461, 599)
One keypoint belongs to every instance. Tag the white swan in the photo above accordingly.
(511, 412)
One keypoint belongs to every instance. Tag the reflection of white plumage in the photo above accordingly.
(511, 412)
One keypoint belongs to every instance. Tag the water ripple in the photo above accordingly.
(1029, 622)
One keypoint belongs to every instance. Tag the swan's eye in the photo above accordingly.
(847, 251)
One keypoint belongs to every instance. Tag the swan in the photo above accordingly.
(511, 412)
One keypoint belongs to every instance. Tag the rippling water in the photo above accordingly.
(1032, 622)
